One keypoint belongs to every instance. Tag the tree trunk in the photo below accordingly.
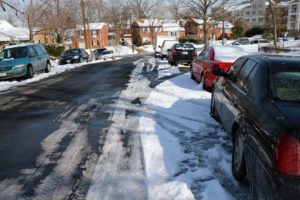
(205, 29)
(272, 7)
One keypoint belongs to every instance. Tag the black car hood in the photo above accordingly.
(291, 114)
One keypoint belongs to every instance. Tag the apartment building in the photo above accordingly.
(252, 11)
(293, 22)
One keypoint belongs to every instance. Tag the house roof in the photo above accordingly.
(14, 33)
(166, 24)
(92, 26)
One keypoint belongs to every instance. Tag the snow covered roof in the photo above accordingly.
(227, 24)
(239, 6)
(5, 24)
(14, 33)
(166, 24)
(92, 26)
(198, 21)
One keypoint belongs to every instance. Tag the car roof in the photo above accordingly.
(20, 45)
(275, 58)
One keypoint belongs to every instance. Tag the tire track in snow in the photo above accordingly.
(119, 172)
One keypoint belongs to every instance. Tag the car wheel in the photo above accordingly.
(104, 58)
(87, 59)
(48, 67)
(29, 72)
(192, 73)
(213, 112)
(238, 159)
(203, 82)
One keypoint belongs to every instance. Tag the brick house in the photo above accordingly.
(194, 28)
(97, 36)
(149, 29)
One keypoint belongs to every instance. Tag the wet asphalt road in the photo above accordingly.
(28, 114)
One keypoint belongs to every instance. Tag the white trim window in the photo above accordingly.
(146, 29)
(95, 33)
(81, 34)
(173, 33)
(158, 29)
(95, 42)
(146, 39)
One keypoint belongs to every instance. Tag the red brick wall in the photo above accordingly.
(102, 37)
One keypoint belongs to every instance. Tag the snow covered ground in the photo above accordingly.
(185, 153)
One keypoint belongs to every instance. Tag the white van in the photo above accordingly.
(167, 44)
(158, 41)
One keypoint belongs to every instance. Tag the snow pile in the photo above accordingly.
(122, 50)
(147, 48)
(228, 53)
(177, 114)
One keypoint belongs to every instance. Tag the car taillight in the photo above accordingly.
(195, 53)
(174, 53)
(211, 54)
(287, 155)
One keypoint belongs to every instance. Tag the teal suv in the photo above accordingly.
(23, 61)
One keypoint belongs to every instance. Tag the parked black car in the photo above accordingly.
(181, 53)
(258, 102)
(98, 52)
(74, 56)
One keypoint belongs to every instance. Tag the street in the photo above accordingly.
(88, 134)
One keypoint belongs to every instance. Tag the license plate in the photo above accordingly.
(2, 74)
(68, 61)
(185, 53)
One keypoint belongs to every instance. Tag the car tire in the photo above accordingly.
(29, 72)
(192, 73)
(238, 159)
(48, 67)
(87, 59)
(213, 112)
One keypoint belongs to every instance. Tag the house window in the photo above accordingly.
(248, 13)
(173, 33)
(254, 6)
(254, 20)
(95, 42)
(146, 29)
(81, 34)
(294, 8)
(293, 18)
(146, 39)
(293, 26)
(253, 12)
(95, 33)
(201, 26)
(158, 29)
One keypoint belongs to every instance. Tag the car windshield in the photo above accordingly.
(72, 51)
(285, 84)
(13, 53)
(100, 50)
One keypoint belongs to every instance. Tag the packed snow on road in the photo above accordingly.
(185, 153)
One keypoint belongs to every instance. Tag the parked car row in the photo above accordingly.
(257, 100)
(25, 60)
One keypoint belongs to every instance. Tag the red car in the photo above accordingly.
(211, 58)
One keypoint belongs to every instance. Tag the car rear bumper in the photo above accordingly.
(287, 187)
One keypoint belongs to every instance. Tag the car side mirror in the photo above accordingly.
(218, 72)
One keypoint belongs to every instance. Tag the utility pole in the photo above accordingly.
(84, 24)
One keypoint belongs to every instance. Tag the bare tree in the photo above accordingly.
(95, 10)
(60, 16)
(175, 7)
(141, 8)
(200, 9)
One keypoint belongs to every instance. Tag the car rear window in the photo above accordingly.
(73, 51)
(285, 85)
(184, 46)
